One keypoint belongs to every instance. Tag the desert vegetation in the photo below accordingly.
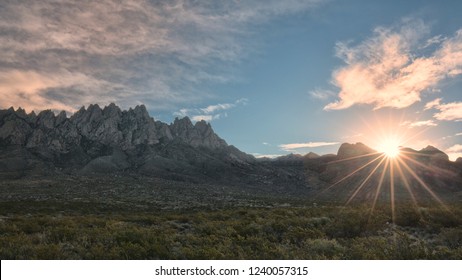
(77, 230)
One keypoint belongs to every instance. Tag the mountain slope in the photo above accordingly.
(113, 142)
(110, 141)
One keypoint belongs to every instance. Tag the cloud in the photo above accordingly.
(454, 149)
(447, 112)
(257, 155)
(450, 111)
(218, 107)
(458, 134)
(433, 104)
(294, 146)
(454, 152)
(34, 89)
(207, 118)
(321, 94)
(211, 112)
(419, 123)
(161, 53)
(388, 71)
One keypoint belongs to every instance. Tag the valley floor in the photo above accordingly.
(42, 219)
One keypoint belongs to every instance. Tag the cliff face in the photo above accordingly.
(108, 126)
(109, 139)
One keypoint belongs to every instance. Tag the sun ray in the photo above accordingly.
(379, 187)
(423, 184)
(433, 168)
(349, 175)
(392, 190)
(390, 147)
(406, 184)
(358, 189)
(355, 157)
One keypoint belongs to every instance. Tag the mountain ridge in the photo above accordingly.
(110, 141)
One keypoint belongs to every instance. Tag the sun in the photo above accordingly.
(390, 147)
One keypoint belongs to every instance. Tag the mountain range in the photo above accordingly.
(110, 141)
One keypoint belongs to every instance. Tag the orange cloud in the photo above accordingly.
(21, 88)
(27, 89)
(447, 112)
(384, 72)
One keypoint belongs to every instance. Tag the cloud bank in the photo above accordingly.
(395, 67)
(160, 53)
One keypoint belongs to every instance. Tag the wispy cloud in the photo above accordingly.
(258, 155)
(388, 71)
(211, 112)
(321, 94)
(447, 111)
(218, 107)
(419, 123)
(207, 118)
(156, 52)
(295, 146)
(433, 104)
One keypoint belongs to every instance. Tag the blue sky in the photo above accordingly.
(273, 77)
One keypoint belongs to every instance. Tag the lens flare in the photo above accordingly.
(386, 174)
(390, 147)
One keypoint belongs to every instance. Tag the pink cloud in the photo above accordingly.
(27, 89)
(447, 111)
(384, 72)
(18, 87)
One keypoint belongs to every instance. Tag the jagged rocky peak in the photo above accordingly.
(61, 117)
(141, 111)
(114, 127)
(46, 119)
(347, 150)
(112, 111)
(208, 136)
(182, 126)
(21, 112)
(110, 126)
(200, 134)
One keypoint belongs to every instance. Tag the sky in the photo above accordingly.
(272, 77)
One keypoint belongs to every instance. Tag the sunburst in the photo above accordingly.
(390, 147)
(392, 168)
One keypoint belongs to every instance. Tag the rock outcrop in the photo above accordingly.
(108, 126)
(109, 139)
